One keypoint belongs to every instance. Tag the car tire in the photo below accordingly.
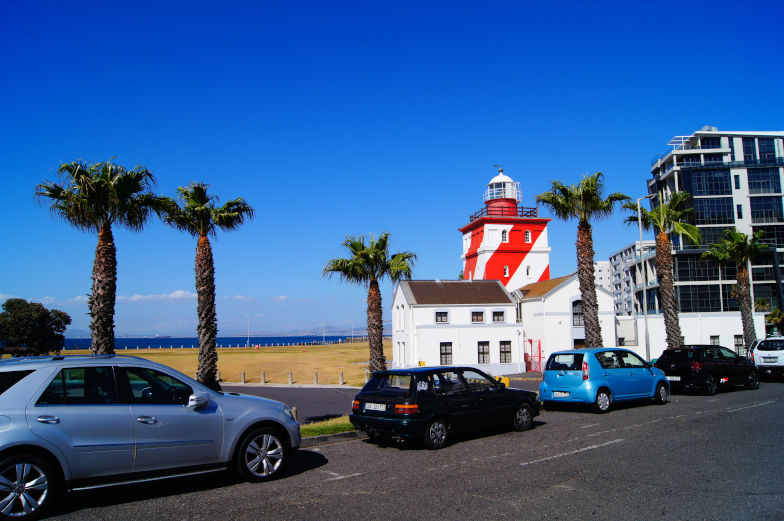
(661, 394)
(523, 418)
(753, 381)
(709, 386)
(39, 484)
(262, 454)
(436, 434)
(603, 401)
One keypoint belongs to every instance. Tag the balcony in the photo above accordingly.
(518, 211)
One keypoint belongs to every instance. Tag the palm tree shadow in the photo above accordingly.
(301, 461)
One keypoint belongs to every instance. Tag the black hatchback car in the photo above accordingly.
(430, 403)
(706, 367)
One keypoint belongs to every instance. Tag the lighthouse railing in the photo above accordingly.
(518, 211)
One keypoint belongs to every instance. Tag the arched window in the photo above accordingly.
(504, 236)
(506, 271)
(578, 318)
(528, 236)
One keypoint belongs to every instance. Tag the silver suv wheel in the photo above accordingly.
(24, 487)
(261, 455)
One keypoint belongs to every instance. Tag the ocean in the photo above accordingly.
(227, 341)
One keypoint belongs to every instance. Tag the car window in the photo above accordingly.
(771, 345)
(710, 353)
(565, 362)
(152, 387)
(477, 381)
(630, 360)
(727, 354)
(676, 355)
(608, 359)
(81, 386)
(9, 378)
(392, 384)
(447, 382)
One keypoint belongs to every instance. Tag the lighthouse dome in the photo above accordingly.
(502, 187)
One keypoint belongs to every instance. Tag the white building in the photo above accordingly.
(628, 278)
(552, 316)
(603, 275)
(456, 322)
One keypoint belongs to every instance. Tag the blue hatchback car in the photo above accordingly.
(601, 376)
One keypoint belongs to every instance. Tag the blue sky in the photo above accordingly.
(347, 118)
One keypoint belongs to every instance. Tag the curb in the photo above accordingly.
(313, 441)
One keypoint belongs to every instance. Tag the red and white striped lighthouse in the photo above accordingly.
(506, 241)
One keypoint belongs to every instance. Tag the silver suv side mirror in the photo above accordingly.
(198, 400)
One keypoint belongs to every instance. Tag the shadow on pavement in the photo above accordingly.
(301, 461)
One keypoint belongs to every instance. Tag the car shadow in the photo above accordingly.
(301, 461)
(588, 408)
(311, 419)
(454, 438)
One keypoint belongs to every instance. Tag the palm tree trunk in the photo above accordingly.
(207, 371)
(375, 327)
(586, 277)
(743, 294)
(669, 304)
(103, 294)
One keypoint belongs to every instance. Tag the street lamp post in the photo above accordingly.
(644, 280)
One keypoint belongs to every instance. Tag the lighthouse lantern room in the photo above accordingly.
(505, 240)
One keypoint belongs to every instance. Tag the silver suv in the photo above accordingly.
(70, 422)
(768, 356)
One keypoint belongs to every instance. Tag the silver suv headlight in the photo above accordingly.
(288, 412)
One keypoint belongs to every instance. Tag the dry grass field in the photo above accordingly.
(276, 362)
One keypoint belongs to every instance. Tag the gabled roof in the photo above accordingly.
(541, 289)
(444, 292)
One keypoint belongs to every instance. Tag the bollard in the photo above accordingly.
(263, 377)
(294, 412)
(365, 370)
(340, 379)
(291, 378)
(243, 377)
(315, 377)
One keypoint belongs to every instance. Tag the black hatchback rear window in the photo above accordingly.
(565, 362)
(677, 355)
(9, 378)
(771, 345)
(391, 384)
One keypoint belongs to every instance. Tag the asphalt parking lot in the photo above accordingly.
(697, 457)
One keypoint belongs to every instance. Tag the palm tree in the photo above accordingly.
(95, 197)
(368, 264)
(585, 202)
(667, 218)
(742, 249)
(200, 217)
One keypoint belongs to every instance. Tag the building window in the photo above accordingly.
(707, 182)
(699, 298)
(739, 211)
(764, 181)
(767, 149)
(737, 182)
(504, 236)
(714, 211)
(749, 150)
(442, 317)
(710, 142)
(738, 343)
(477, 317)
(483, 350)
(506, 351)
(528, 271)
(766, 210)
(498, 316)
(578, 318)
(621, 341)
(506, 271)
(714, 340)
(446, 353)
(528, 236)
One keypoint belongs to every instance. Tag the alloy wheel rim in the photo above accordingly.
(437, 432)
(23, 489)
(604, 401)
(264, 455)
(662, 393)
(523, 416)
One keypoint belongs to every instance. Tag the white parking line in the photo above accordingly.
(752, 406)
(577, 451)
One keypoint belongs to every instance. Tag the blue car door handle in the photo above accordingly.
(48, 419)
(149, 420)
